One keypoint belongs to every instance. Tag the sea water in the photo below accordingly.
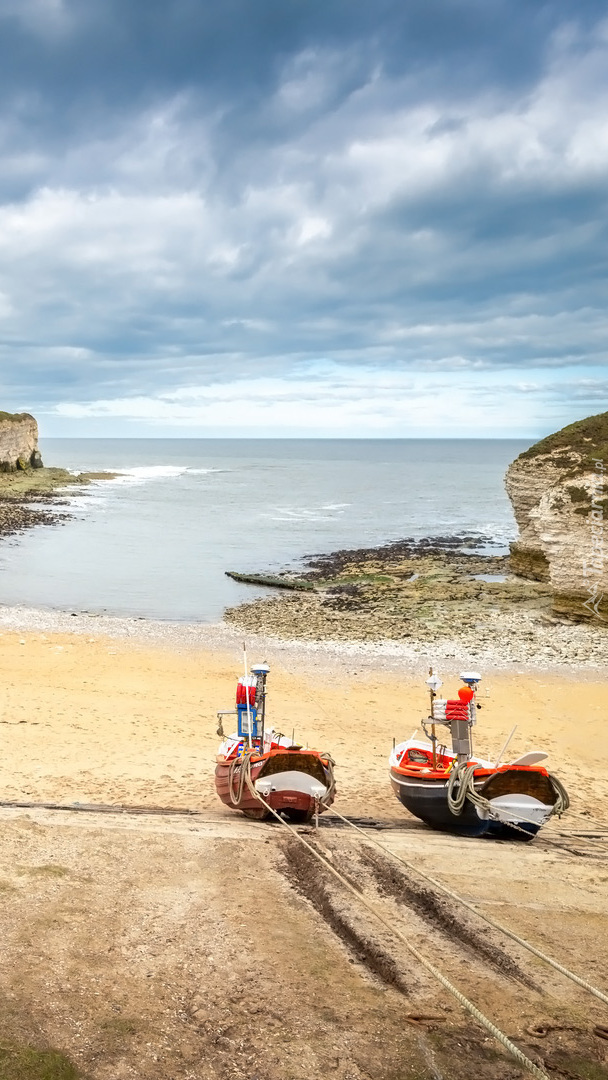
(157, 540)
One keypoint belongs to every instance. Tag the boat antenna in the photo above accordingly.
(502, 752)
(249, 724)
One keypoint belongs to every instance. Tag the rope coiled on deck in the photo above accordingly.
(461, 786)
(562, 801)
(244, 778)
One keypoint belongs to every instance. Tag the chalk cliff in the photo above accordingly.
(18, 442)
(559, 490)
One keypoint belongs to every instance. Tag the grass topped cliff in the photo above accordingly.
(559, 493)
(16, 417)
(576, 449)
(587, 438)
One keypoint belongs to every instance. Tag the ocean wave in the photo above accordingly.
(141, 474)
(137, 474)
(499, 533)
(314, 513)
(144, 474)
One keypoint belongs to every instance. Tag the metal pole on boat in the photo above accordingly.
(433, 735)
(260, 671)
(249, 725)
(462, 737)
(262, 681)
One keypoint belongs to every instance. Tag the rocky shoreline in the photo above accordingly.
(31, 498)
(566, 652)
(438, 593)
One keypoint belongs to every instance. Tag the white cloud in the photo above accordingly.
(331, 400)
(312, 228)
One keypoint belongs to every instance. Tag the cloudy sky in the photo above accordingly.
(295, 217)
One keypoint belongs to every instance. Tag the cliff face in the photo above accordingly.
(559, 492)
(18, 442)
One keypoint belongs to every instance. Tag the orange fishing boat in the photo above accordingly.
(259, 770)
(456, 791)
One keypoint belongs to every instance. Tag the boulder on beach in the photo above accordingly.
(559, 492)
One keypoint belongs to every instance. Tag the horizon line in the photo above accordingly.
(297, 438)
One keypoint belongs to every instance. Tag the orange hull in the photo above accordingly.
(294, 782)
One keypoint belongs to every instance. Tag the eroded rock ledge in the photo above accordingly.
(559, 492)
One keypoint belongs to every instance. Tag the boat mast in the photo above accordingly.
(261, 674)
(462, 738)
(433, 682)
(249, 723)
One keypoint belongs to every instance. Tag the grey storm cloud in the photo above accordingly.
(193, 193)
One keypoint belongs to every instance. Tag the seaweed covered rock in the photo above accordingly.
(559, 492)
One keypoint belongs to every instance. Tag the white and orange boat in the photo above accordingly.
(259, 770)
(458, 792)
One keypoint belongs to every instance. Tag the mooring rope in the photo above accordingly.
(480, 914)
(590, 820)
(481, 1018)
(598, 842)
(243, 761)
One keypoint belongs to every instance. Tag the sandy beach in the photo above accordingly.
(202, 946)
(97, 719)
